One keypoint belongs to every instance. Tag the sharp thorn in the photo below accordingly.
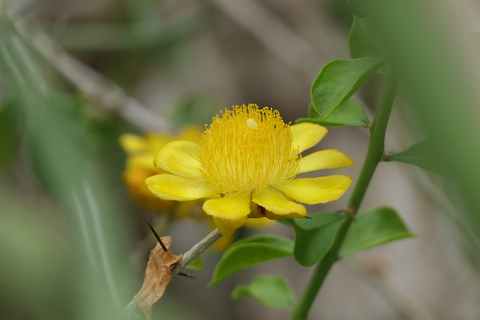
(155, 233)
(187, 275)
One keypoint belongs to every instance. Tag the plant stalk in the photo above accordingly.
(374, 155)
(376, 146)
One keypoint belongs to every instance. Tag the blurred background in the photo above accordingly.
(76, 76)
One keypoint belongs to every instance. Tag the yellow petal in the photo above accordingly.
(179, 158)
(141, 161)
(189, 209)
(305, 135)
(277, 206)
(171, 187)
(191, 133)
(229, 208)
(316, 190)
(138, 191)
(156, 141)
(259, 223)
(227, 227)
(223, 243)
(132, 143)
(325, 159)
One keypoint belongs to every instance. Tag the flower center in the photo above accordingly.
(247, 149)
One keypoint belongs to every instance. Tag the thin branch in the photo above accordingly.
(132, 312)
(92, 84)
(197, 250)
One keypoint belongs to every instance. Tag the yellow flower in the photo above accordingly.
(250, 157)
(141, 151)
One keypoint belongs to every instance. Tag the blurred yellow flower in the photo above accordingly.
(249, 158)
(140, 152)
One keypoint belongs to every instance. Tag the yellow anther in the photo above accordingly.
(252, 124)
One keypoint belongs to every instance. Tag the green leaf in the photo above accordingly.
(314, 237)
(251, 251)
(196, 264)
(350, 113)
(423, 154)
(361, 40)
(8, 131)
(272, 291)
(373, 228)
(339, 80)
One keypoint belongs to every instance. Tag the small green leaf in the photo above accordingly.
(315, 236)
(339, 80)
(350, 113)
(250, 251)
(196, 264)
(373, 228)
(272, 291)
(423, 154)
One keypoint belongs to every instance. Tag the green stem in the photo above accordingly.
(376, 146)
(321, 271)
(374, 155)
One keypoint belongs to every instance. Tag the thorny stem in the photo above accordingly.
(131, 311)
(374, 155)
(155, 234)
(197, 250)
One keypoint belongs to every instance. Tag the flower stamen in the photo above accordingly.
(247, 149)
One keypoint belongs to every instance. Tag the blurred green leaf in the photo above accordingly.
(8, 131)
(339, 80)
(57, 148)
(56, 138)
(272, 291)
(350, 113)
(250, 251)
(315, 236)
(362, 43)
(373, 228)
(196, 264)
(423, 154)
(34, 273)
(361, 40)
